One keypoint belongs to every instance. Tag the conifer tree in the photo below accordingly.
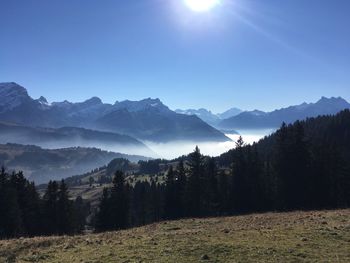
(193, 188)
(50, 212)
(10, 214)
(210, 187)
(239, 183)
(119, 201)
(181, 183)
(170, 195)
(81, 211)
(65, 219)
(103, 219)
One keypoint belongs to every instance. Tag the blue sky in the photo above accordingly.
(243, 53)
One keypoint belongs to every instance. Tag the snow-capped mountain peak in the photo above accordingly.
(135, 106)
(12, 95)
(64, 104)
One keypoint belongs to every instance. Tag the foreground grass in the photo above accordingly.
(317, 236)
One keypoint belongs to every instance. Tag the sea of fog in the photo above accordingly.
(169, 150)
(175, 149)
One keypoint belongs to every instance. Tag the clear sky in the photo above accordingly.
(250, 54)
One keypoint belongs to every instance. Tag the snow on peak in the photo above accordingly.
(12, 95)
(43, 100)
(134, 106)
(64, 104)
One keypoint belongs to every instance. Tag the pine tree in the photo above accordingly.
(170, 195)
(28, 202)
(239, 179)
(193, 188)
(51, 208)
(181, 185)
(10, 213)
(102, 221)
(81, 211)
(65, 219)
(119, 201)
(155, 200)
(224, 193)
(210, 188)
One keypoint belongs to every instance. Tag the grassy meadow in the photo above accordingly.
(315, 236)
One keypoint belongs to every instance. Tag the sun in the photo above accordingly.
(201, 5)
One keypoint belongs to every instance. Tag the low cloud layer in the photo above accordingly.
(175, 149)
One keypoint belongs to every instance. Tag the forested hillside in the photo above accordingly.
(42, 165)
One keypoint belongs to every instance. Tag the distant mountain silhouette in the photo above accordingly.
(230, 113)
(203, 114)
(208, 116)
(259, 119)
(148, 119)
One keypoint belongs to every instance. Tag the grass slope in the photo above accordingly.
(317, 236)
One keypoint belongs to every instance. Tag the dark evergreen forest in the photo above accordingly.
(24, 213)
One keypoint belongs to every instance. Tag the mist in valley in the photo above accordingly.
(174, 149)
(169, 150)
(166, 150)
(57, 160)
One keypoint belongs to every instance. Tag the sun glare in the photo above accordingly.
(201, 5)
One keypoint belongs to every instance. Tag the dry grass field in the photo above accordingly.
(316, 236)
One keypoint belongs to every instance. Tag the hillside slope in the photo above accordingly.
(41, 165)
(70, 137)
(316, 236)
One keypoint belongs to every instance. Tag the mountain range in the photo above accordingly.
(235, 119)
(261, 120)
(148, 119)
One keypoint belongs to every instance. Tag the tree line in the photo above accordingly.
(304, 166)
(24, 213)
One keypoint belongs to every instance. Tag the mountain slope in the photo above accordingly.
(258, 119)
(155, 120)
(203, 114)
(229, 113)
(154, 125)
(41, 165)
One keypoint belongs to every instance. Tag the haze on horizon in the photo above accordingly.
(242, 53)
